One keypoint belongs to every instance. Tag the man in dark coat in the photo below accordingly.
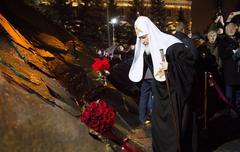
(228, 47)
(181, 35)
(172, 115)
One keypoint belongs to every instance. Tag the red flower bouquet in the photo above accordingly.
(101, 66)
(98, 116)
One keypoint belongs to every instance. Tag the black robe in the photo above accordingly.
(172, 117)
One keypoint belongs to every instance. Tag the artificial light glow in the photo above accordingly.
(67, 2)
(44, 2)
(74, 4)
(178, 7)
(114, 20)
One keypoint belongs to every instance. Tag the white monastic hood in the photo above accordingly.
(157, 40)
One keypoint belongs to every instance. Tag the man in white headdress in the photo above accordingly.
(171, 88)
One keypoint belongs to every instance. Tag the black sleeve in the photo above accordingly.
(181, 69)
(226, 46)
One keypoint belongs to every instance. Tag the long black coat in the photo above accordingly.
(172, 116)
(230, 67)
(188, 42)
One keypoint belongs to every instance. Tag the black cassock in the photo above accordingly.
(172, 118)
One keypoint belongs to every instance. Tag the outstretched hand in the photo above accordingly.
(231, 15)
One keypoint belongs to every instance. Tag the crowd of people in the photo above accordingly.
(171, 69)
(219, 55)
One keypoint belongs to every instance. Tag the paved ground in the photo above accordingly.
(231, 146)
(142, 136)
(222, 135)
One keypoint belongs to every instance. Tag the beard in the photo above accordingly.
(147, 49)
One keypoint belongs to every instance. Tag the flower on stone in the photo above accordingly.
(98, 116)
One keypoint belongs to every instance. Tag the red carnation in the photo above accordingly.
(105, 63)
(101, 65)
(97, 66)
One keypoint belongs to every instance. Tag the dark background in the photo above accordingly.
(203, 12)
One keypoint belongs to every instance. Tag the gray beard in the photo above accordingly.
(147, 50)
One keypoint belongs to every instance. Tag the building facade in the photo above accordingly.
(173, 8)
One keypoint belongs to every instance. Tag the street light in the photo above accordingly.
(108, 28)
(113, 22)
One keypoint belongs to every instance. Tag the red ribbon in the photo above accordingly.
(125, 145)
(220, 93)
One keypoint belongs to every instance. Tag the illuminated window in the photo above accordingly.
(44, 2)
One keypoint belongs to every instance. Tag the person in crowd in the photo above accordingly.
(212, 45)
(204, 59)
(206, 64)
(172, 67)
(117, 55)
(128, 53)
(228, 47)
(181, 35)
